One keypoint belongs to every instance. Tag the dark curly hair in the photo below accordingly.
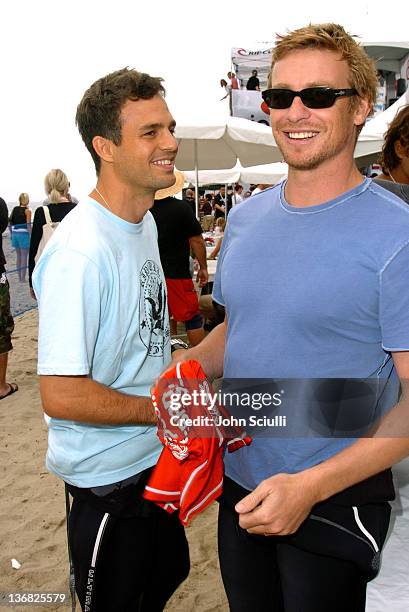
(98, 113)
(398, 130)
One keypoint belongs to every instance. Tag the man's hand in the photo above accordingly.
(202, 277)
(278, 505)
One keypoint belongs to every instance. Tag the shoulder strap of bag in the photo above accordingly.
(47, 215)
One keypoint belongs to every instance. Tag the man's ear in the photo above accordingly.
(361, 111)
(400, 150)
(104, 148)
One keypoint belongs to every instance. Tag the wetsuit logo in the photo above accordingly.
(154, 325)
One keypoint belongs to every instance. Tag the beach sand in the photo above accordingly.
(32, 503)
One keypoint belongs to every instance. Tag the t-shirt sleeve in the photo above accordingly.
(394, 302)
(70, 297)
(217, 293)
(191, 225)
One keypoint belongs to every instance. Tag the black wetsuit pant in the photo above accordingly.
(128, 554)
(325, 567)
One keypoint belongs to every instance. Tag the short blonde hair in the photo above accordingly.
(56, 185)
(333, 37)
(23, 199)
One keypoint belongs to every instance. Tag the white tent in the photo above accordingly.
(389, 56)
(219, 145)
(377, 126)
(269, 174)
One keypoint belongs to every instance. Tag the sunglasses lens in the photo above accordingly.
(279, 98)
(312, 97)
(318, 97)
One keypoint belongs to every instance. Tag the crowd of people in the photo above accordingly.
(313, 290)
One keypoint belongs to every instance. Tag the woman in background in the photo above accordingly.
(395, 156)
(20, 220)
(56, 186)
(218, 234)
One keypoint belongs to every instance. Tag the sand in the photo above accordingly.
(32, 504)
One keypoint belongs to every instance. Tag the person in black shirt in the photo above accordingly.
(56, 186)
(190, 198)
(6, 320)
(20, 221)
(253, 84)
(219, 203)
(178, 232)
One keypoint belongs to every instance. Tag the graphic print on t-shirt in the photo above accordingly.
(153, 325)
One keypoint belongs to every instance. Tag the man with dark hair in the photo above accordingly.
(190, 198)
(253, 84)
(314, 276)
(103, 340)
(178, 232)
(395, 156)
(219, 203)
(6, 320)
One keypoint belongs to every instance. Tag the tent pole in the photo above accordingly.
(225, 204)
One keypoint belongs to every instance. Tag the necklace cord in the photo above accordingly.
(104, 200)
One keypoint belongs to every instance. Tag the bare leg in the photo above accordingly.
(18, 263)
(4, 386)
(24, 257)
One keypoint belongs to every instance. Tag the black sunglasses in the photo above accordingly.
(312, 97)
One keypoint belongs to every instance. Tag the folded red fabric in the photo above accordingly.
(194, 430)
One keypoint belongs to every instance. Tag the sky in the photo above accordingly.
(51, 51)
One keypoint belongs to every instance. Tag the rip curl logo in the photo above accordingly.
(153, 326)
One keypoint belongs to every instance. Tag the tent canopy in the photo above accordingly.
(219, 145)
(388, 56)
(269, 174)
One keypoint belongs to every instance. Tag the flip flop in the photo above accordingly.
(13, 389)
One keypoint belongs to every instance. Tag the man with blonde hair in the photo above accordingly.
(321, 307)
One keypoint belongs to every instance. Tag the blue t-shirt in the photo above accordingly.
(318, 292)
(102, 308)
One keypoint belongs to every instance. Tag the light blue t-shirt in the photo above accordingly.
(318, 292)
(103, 313)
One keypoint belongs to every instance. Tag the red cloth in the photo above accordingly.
(189, 472)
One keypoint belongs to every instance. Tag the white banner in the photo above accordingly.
(247, 104)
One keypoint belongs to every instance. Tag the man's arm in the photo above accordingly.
(280, 503)
(220, 207)
(198, 246)
(78, 398)
(209, 353)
